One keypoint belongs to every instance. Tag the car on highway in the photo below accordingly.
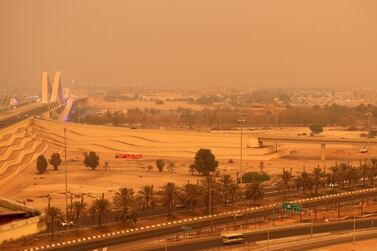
(232, 238)
(333, 185)
(236, 215)
(180, 205)
(64, 223)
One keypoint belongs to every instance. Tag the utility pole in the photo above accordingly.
(369, 114)
(78, 111)
(276, 130)
(241, 120)
(210, 200)
(209, 196)
(117, 102)
(65, 176)
(354, 223)
(268, 238)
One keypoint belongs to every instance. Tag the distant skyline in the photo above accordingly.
(270, 43)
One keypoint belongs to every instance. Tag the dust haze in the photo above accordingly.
(256, 43)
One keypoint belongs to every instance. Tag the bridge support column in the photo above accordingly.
(323, 152)
(260, 143)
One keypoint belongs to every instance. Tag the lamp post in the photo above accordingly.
(65, 176)
(354, 223)
(268, 227)
(276, 130)
(311, 224)
(241, 121)
(369, 114)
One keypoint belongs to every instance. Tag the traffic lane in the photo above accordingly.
(140, 235)
(106, 242)
(348, 197)
(333, 241)
(273, 233)
(169, 230)
(21, 116)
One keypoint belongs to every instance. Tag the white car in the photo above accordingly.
(333, 185)
(64, 223)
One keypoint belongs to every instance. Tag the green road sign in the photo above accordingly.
(291, 207)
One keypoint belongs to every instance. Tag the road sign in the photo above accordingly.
(291, 207)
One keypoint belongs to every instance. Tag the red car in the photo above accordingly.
(128, 156)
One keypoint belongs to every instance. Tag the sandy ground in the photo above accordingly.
(33, 188)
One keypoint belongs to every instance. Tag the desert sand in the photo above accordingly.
(178, 147)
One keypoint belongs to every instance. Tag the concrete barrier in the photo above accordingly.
(22, 227)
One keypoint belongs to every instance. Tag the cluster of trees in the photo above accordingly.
(127, 203)
(117, 97)
(91, 160)
(42, 163)
(340, 175)
(226, 117)
(210, 190)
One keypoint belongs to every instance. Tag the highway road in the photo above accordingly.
(206, 221)
(23, 115)
(303, 229)
(318, 140)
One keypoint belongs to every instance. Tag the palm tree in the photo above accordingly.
(52, 214)
(100, 209)
(78, 209)
(334, 176)
(168, 195)
(342, 172)
(226, 182)
(353, 175)
(317, 177)
(146, 197)
(211, 190)
(123, 204)
(285, 182)
(365, 172)
(304, 181)
(191, 194)
(234, 190)
(254, 191)
(373, 170)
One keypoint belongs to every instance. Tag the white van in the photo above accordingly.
(232, 238)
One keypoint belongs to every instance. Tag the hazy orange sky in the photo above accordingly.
(268, 43)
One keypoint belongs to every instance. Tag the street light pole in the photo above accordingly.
(241, 120)
(268, 228)
(65, 176)
(268, 238)
(276, 130)
(354, 223)
(311, 225)
(369, 114)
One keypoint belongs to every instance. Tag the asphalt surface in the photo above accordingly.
(274, 233)
(23, 115)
